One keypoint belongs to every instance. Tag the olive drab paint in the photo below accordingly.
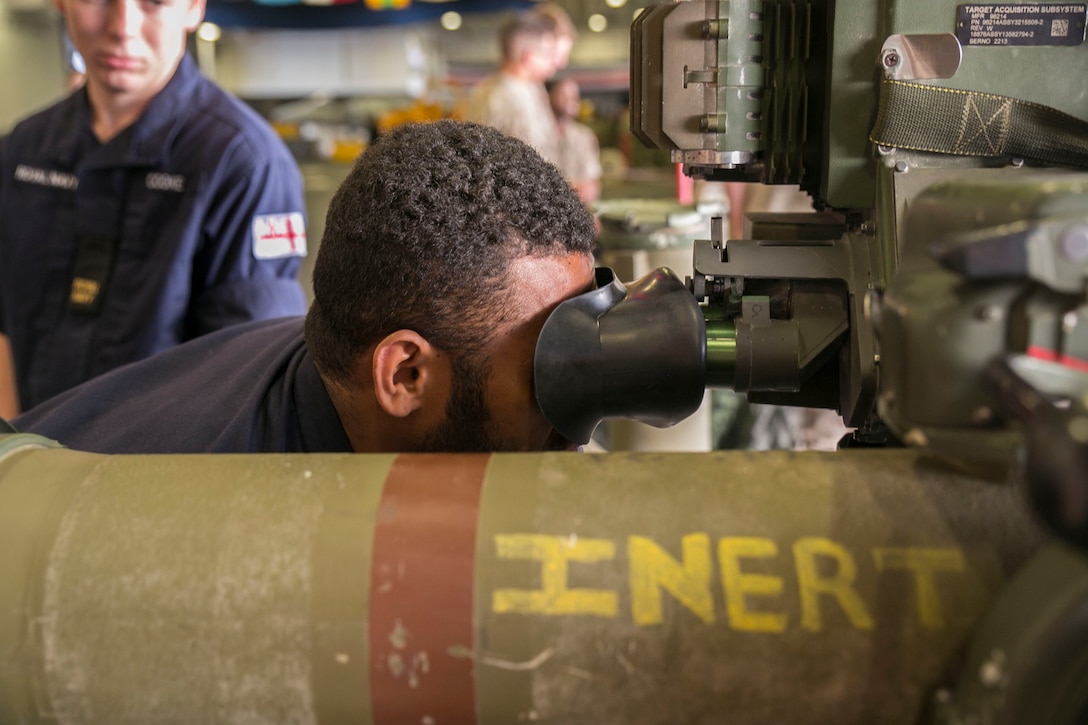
(490, 588)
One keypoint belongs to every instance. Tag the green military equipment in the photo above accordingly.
(635, 588)
(914, 127)
(936, 298)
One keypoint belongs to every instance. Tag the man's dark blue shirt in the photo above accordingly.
(251, 388)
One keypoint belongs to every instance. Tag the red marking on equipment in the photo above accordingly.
(1075, 363)
(421, 590)
(1041, 353)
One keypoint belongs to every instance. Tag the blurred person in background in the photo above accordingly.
(513, 99)
(579, 149)
(146, 208)
(563, 27)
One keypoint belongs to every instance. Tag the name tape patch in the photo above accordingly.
(46, 177)
(276, 236)
(159, 181)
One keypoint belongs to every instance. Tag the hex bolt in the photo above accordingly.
(901, 166)
(712, 123)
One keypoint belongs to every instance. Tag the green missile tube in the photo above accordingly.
(506, 588)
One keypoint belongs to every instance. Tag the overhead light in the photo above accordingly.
(209, 32)
(451, 20)
(615, 3)
(597, 22)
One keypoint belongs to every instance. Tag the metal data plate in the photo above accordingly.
(1021, 24)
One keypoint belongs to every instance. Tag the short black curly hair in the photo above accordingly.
(420, 235)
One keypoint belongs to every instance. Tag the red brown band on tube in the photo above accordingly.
(421, 590)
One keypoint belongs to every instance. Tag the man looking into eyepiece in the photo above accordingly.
(445, 249)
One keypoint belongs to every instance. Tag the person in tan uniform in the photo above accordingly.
(513, 99)
(579, 149)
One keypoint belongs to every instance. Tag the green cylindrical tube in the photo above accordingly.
(634, 588)
(721, 353)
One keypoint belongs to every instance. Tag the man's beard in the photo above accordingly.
(468, 427)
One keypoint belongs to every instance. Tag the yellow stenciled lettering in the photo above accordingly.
(653, 569)
(924, 564)
(839, 585)
(554, 597)
(737, 584)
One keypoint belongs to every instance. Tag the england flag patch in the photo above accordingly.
(276, 236)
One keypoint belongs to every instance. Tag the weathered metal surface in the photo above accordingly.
(635, 588)
(1028, 658)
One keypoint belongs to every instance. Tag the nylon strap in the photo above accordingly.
(966, 123)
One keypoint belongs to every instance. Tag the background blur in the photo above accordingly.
(331, 77)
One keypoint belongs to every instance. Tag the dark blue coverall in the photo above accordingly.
(250, 388)
(189, 220)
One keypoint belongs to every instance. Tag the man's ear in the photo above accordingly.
(408, 373)
(194, 16)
